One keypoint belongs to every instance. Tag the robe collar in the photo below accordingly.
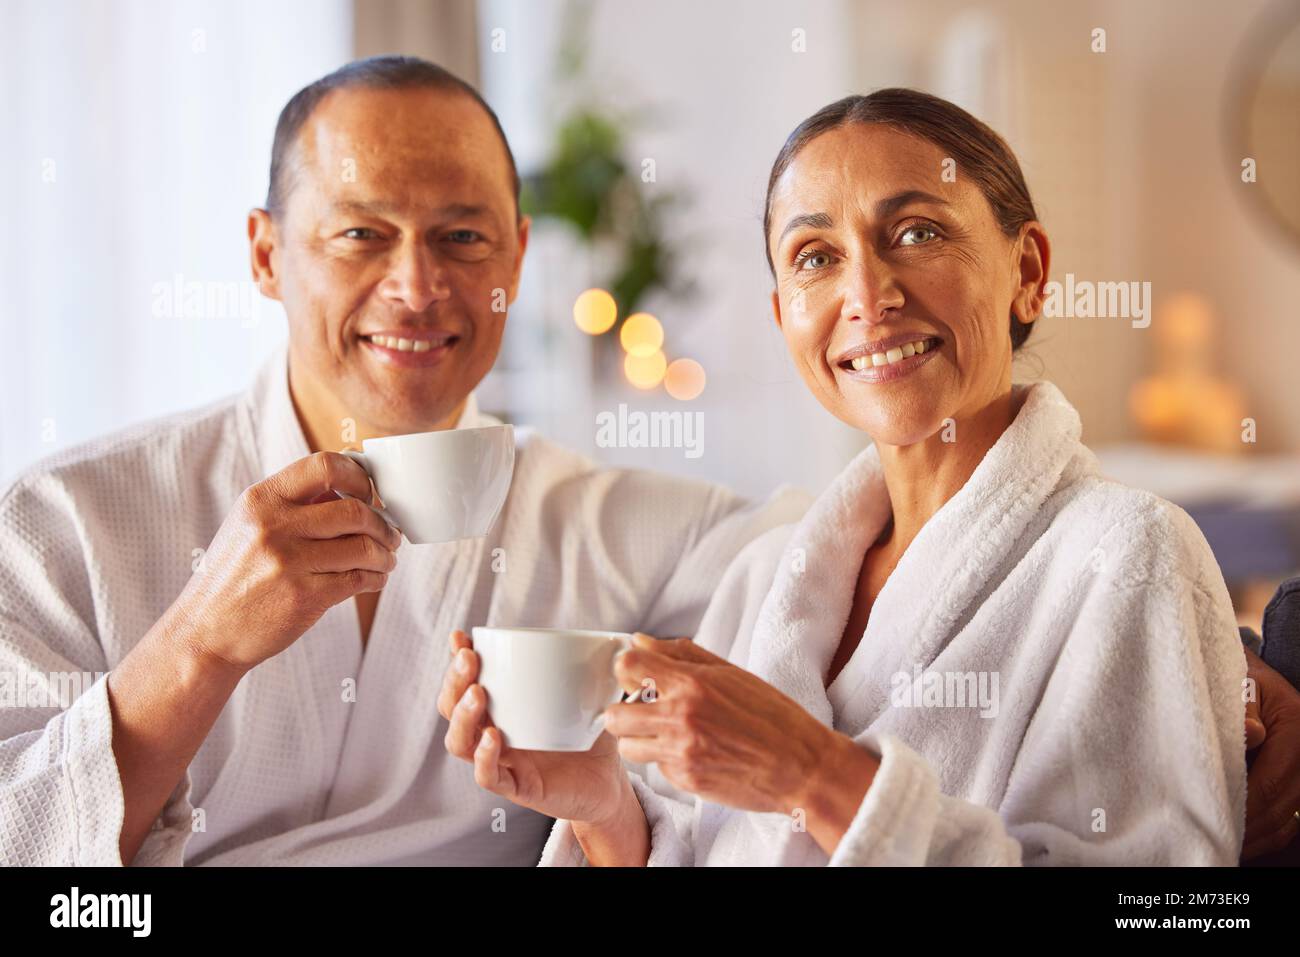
(941, 578)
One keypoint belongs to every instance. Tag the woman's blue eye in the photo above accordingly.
(927, 232)
(810, 261)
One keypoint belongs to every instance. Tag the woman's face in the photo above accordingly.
(875, 251)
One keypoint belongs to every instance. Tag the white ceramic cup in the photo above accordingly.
(441, 486)
(548, 688)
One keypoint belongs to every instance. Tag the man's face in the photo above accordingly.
(400, 222)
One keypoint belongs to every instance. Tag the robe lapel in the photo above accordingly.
(935, 588)
(395, 716)
(945, 574)
(366, 754)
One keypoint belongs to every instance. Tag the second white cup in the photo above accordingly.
(548, 688)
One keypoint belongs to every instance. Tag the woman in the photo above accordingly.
(973, 649)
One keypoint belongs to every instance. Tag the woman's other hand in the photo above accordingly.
(589, 788)
(726, 735)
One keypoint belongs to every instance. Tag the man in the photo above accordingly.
(274, 651)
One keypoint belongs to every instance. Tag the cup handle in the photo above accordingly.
(619, 698)
(360, 459)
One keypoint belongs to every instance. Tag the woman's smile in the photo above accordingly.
(888, 359)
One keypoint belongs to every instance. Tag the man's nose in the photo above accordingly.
(870, 291)
(415, 278)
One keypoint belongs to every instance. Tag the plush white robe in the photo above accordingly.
(1117, 736)
(98, 541)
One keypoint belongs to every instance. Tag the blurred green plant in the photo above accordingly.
(588, 183)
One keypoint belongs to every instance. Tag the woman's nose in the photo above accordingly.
(870, 291)
(415, 278)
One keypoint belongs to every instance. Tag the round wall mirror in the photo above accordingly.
(1267, 114)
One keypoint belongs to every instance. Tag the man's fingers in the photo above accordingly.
(346, 553)
(303, 480)
(1271, 842)
(1255, 730)
(1272, 794)
(467, 720)
(339, 586)
(460, 674)
(347, 516)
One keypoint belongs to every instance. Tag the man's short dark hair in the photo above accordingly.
(376, 72)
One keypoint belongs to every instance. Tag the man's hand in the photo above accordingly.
(288, 550)
(1273, 779)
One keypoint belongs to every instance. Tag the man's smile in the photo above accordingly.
(410, 348)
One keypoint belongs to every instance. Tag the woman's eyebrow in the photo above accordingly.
(892, 204)
(815, 220)
(886, 207)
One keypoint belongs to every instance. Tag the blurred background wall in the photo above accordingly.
(139, 135)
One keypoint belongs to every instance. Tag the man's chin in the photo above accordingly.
(403, 418)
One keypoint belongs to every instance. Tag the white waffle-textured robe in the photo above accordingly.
(1118, 731)
(98, 541)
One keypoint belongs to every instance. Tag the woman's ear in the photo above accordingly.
(776, 308)
(261, 246)
(1033, 260)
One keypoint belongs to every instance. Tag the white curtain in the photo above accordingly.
(137, 136)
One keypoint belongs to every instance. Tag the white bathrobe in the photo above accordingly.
(1115, 735)
(323, 755)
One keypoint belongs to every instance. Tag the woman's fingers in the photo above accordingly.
(460, 673)
(639, 669)
(642, 750)
(467, 720)
(637, 720)
(488, 772)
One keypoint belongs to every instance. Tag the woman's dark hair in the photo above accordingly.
(981, 155)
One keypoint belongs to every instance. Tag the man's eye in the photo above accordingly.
(464, 236)
(359, 232)
(920, 234)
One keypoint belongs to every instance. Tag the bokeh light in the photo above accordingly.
(641, 335)
(684, 379)
(595, 311)
(645, 372)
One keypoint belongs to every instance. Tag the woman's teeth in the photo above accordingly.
(402, 345)
(889, 357)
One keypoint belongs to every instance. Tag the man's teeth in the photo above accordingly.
(405, 345)
(889, 357)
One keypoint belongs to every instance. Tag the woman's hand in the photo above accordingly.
(589, 788)
(726, 735)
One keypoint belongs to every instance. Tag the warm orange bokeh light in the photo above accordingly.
(641, 335)
(684, 379)
(595, 311)
(645, 372)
